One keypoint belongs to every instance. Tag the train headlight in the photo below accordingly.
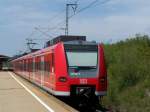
(102, 80)
(62, 79)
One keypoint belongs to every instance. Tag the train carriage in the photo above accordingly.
(67, 67)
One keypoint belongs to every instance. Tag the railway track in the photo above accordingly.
(86, 107)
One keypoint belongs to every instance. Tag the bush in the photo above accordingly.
(128, 65)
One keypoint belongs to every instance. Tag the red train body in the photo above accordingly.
(66, 68)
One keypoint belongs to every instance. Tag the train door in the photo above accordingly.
(42, 70)
(23, 67)
(53, 76)
(33, 69)
(30, 68)
(27, 70)
(47, 71)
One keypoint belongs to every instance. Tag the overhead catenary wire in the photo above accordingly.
(57, 15)
(89, 6)
(36, 28)
(32, 33)
(39, 28)
(57, 26)
(50, 20)
(84, 8)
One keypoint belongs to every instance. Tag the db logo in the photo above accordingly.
(83, 81)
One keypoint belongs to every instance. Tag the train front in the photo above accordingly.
(86, 69)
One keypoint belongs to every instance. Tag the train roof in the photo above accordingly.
(80, 43)
(66, 40)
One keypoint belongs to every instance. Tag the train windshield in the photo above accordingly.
(82, 59)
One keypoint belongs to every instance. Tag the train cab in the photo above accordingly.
(80, 68)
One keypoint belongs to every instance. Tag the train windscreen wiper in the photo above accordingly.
(83, 67)
(86, 67)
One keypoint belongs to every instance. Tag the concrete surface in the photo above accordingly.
(14, 98)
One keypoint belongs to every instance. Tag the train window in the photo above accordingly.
(30, 65)
(24, 65)
(47, 67)
(82, 59)
(82, 64)
(42, 66)
(33, 66)
(38, 66)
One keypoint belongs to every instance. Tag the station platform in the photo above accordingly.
(19, 95)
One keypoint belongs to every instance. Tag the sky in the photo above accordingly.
(112, 21)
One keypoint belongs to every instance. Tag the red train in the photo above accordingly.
(70, 66)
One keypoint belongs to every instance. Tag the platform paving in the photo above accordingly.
(15, 98)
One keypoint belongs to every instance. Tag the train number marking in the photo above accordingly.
(83, 81)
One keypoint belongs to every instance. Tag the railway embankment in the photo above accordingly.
(128, 64)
